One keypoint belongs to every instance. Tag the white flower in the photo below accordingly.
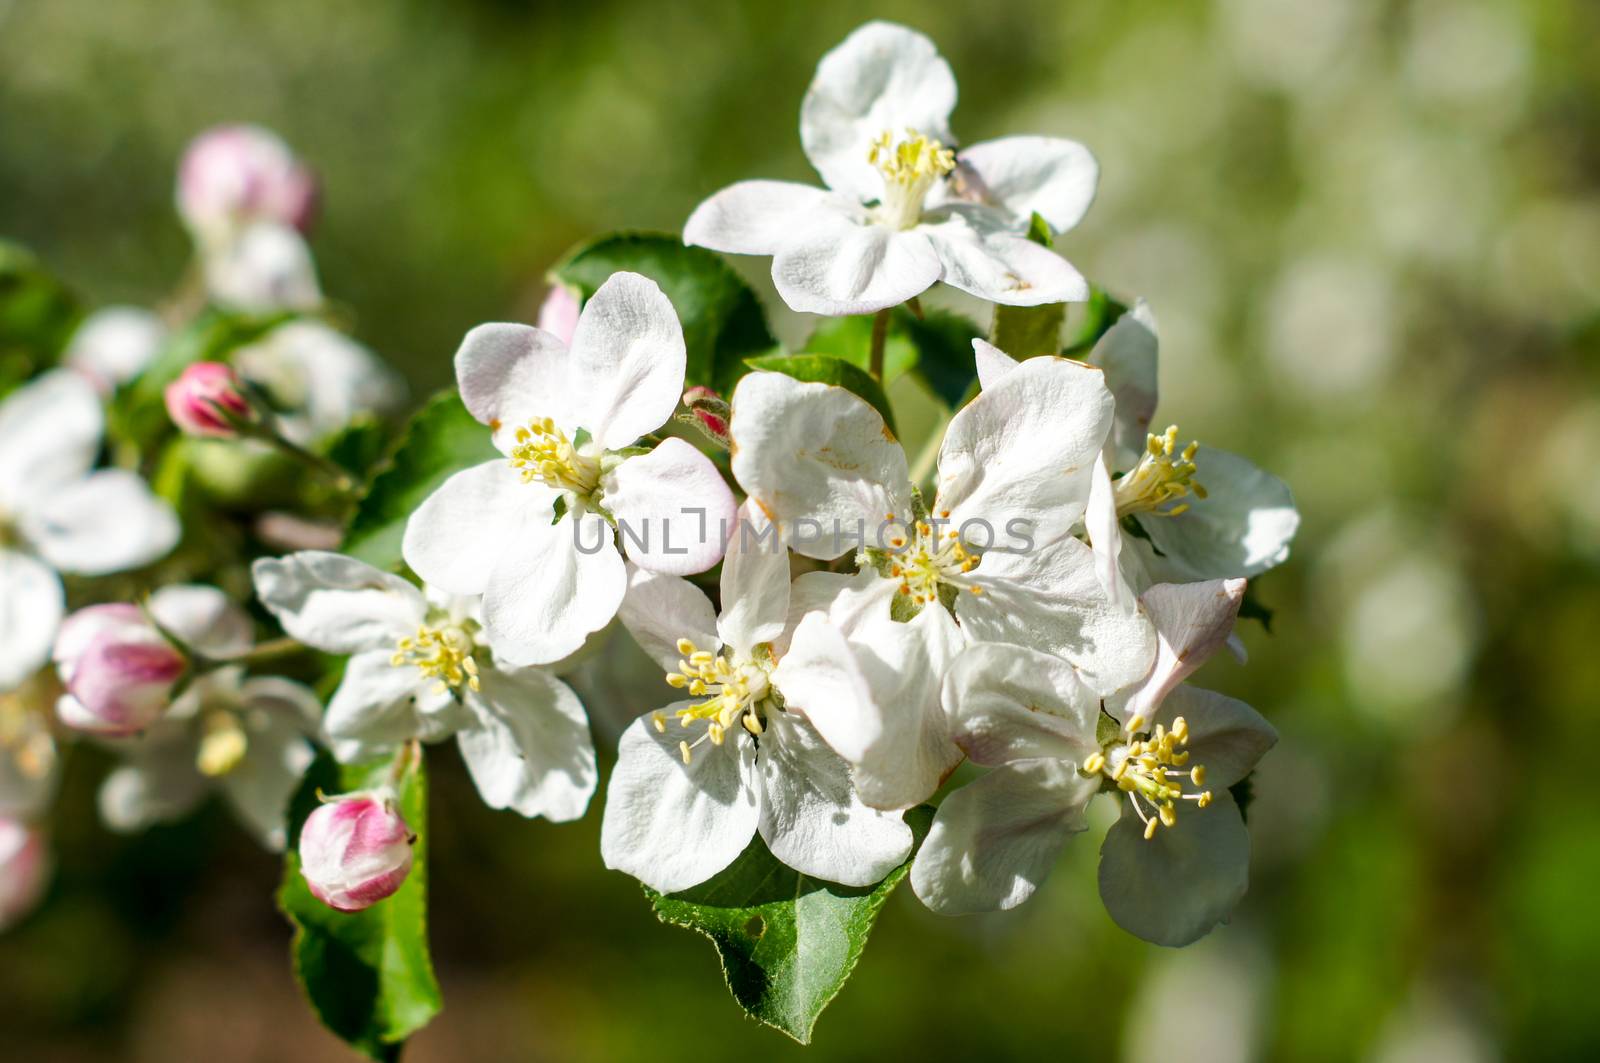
(261, 269)
(697, 779)
(1014, 477)
(1176, 862)
(420, 669)
(1206, 513)
(903, 210)
(53, 513)
(319, 378)
(245, 738)
(234, 175)
(567, 422)
(114, 344)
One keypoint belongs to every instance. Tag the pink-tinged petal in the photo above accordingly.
(558, 314)
(673, 509)
(24, 870)
(753, 217)
(1192, 621)
(355, 851)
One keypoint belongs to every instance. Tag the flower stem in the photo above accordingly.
(880, 336)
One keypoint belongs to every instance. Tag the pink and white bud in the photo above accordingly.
(206, 400)
(24, 870)
(355, 850)
(234, 175)
(708, 412)
(558, 314)
(117, 668)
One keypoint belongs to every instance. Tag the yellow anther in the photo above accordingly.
(752, 723)
(677, 679)
(1168, 817)
(910, 166)
(685, 647)
(1148, 768)
(1163, 475)
(444, 653)
(734, 688)
(683, 751)
(543, 453)
(223, 744)
(1197, 774)
(1150, 824)
(1094, 762)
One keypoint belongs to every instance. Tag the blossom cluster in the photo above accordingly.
(1005, 630)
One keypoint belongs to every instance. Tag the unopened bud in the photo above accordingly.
(206, 400)
(355, 850)
(24, 869)
(708, 412)
(558, 314)
(118, 670)
(234, 175)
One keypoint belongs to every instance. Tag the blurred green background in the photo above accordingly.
(1371, 232)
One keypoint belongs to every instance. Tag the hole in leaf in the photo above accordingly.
(755, 927)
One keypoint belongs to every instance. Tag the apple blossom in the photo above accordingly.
(118, 669)
(113, 345)
(206, 400)
(902, 209)
(1176, 862)
(696, 780)
(263, 268)
(319, 379)
(24, 870)
(421, 668)
(534, 532)
(233, 175)
(53, 507)
(355, 850)
(1014, 475)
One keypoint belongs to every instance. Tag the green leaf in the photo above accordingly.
(367, 974)
(937, 346)
(850, 339)
(37, 316)
(441, 440)
(139, 415)
(1026, 331)
(787, 942)
(1100, 313)
(824, 369)
(722, 320)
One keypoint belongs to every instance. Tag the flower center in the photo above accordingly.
(1151, 771)
(443, 652)
(909, 166)
(1159, 478)
(223, 743)
(736, 690)
(930, 559)
(544, 453)
(25, 731)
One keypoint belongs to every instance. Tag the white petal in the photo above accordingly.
(114, 344)
(992, 362)
(755, 582)
(979, 258)
(31, 607)
(811, 818)
(1021, 176)
(1128, 354)
(336, 603)
(324, 378)
(1225, 734)
(49, 436)
(162, 784)
(674, 511)
(260, 787)
(1024, 450)
(71, 531)
(1192, 621)
(673, 825)
(842, 264)
(1242, 528)
(1173, 888)
(203, 617)
(1105, 533)
(814, 453)
(628, 359)
(882, 78)
(552, 587)
(265, 267)
(1049, 598)
(658, 610)
(529, 748)
(875, 699)
(1009, 703)
(752, 217)
(995, 841)
(379, 704)
(459, 533)
(508, 374)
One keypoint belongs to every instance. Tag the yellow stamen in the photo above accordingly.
(1163, 475)
(910, 166)
(543, 453)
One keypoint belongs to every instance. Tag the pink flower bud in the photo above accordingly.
(117, 668)
(237, 174)
(205, 399)
(558, 314)
(708, 412)
(355, 850)
(24, 869)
